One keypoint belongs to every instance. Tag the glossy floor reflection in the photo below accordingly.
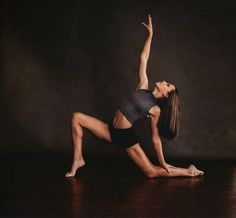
(34, 186)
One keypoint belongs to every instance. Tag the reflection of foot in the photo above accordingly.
(194, 171)
(75, 166)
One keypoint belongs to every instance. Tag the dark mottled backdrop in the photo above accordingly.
(58, 57)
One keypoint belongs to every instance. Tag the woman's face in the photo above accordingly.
(164, 87)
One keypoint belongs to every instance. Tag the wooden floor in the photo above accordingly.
(34, 186)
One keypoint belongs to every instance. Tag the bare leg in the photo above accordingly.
(191, 171)
(95, 126)
(139, 157)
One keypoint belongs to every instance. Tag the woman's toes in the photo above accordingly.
(69, 175)
(192, 167)
(75, 166)
(199, 173)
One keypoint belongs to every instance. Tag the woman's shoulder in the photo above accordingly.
(144, 90)
(154, 111)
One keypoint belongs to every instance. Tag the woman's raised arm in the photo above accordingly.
(143, 80)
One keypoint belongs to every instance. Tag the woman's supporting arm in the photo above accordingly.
(143, 80)
(157, 144)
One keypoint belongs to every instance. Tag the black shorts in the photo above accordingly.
(123, 138)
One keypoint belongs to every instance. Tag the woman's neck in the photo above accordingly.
(157, 94)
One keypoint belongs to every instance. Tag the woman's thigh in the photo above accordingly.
(95, 126)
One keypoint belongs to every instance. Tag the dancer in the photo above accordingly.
(160, 105)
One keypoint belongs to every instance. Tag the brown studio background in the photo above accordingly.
(59, 57)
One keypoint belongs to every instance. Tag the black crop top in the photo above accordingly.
(136, 106)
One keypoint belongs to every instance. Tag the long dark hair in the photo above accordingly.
(169, 121)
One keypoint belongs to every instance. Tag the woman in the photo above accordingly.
(160, 105)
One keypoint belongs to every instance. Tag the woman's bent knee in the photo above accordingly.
(75, 120)
(76, 116)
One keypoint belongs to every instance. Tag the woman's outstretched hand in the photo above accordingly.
(149, 25)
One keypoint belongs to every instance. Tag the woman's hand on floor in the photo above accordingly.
(166, 167)
(170, 166)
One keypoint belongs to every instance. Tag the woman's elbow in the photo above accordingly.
(143, 58)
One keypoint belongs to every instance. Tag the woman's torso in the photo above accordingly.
(120, 121)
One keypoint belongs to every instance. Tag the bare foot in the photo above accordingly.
(75, 166)
(194, 171)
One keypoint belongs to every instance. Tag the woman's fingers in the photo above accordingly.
(170, 166)
(150, 19)
(145, 24)
(166, 167)
(149, 25)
